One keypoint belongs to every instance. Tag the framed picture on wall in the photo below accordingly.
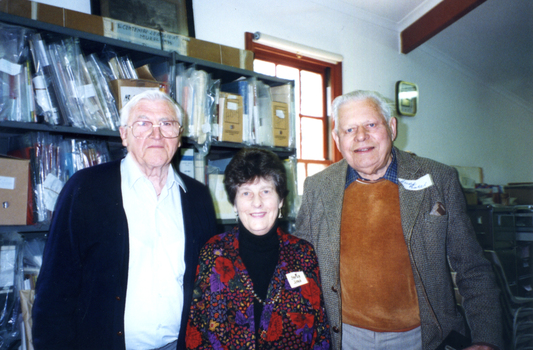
(406, 98)
(174, 16)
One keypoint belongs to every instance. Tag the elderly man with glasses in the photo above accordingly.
(120, 259)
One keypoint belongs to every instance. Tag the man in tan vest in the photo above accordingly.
(387, 227)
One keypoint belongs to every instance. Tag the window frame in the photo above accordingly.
(332, 74)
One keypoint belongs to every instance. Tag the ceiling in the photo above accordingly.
(493, 42)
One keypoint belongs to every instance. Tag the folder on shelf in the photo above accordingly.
(280, 124)
(262, 114)
(230, 117)
(223, 208)
(241, 87)
(13, 190)
(283, 94)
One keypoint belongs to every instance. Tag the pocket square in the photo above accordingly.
(438, 209)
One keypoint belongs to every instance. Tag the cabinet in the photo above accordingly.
(508, 230)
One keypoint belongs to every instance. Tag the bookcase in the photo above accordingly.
(140, 55)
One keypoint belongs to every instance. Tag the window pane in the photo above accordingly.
(312, 169)
(312, 94)
(264, 67)
(312, 139)
(301, 177)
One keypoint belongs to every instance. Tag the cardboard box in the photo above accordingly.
(523, 192)
(132, 33)
(34, 10)
(125, 89)
(14, 174)
(470, 196)
(237, 58)
(84, 22)
(209, 51)
(280, 123)
(230, 117)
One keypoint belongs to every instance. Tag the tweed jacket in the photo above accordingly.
(434, 242)
(293, 317)
(81, 289)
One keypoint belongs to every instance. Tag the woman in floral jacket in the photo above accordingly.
(257, 287)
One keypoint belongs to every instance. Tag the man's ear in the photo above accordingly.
(393, 126)
(124, 135)
(336, 139)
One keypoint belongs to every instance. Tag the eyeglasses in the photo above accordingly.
(142, 129)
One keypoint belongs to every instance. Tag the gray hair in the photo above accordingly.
(382, 105)
(151, 95)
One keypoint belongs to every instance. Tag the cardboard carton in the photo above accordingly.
(522, 192)
(230, 117)
(125, 89)
(84, 22)
(14, 174)
(280, 123)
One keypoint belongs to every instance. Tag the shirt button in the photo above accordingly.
(334, 289)
(119, 333)
(336, 329)
(117, 297)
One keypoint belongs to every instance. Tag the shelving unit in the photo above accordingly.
(140, 55)
(508, 230)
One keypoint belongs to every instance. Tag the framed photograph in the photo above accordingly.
(174, 16)
(406, 98)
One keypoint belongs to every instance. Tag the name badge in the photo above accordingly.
(296, 279)
(418, 184)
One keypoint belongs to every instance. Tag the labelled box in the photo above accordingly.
(230, 116)
(280, 123)
(132, 33)
(125, 89)
(14, 174)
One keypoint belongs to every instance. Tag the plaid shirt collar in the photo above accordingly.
(391, 174)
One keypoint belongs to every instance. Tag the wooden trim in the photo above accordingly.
(336, 90)
(434, 21)
(263, 52)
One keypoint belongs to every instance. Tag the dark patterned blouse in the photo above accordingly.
(222, 315)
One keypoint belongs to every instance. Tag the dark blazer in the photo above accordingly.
(81, 288)
(434, 242)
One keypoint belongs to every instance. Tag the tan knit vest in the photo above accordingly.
(378, 289)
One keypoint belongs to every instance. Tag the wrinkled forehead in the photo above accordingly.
(153, 110)
(360, 110)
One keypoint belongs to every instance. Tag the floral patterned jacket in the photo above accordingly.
(222, 315)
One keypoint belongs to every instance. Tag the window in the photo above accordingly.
(316, 84)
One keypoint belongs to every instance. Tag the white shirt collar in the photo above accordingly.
(132, 174)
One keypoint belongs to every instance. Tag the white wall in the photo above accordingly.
(459, 122)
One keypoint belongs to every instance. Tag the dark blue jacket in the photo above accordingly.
(81, 289)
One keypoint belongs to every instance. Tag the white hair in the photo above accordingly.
(151, 95)
(382, 105)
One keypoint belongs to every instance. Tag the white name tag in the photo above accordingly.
(296, 279)
(418, 184)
